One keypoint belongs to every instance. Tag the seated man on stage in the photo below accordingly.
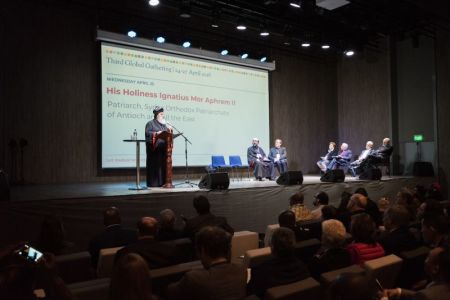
(278, 159)
(325, 160)
(354, 166)
(342, 159)
(156, 149)
(257, 159)
(381, 155)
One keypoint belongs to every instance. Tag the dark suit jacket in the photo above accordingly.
(276, 271)
(329, 155)
(157, 254)
(274, 151)
(195, 224)
(220, 282)
(400, 239)
(329, 260)
(252, 153)
(112, 236)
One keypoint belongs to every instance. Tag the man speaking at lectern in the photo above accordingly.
(156, 148)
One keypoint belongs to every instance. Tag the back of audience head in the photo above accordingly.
(201, 205)
(404, 197)
(329, 212)
(357, 202)
(212, 243)
(131, 279)
(345, 198)
(287, 219)
(434, 226)
(353, 286)
(437, 265)
(361, 191)
(51, 237)
(363, 229)
(435, 191)
(430, 206)
(333, 234)
(147, 227)
(111, 216)
(167, 218)
(321, 199)
(297, 198)
(395, 217)
(283, 242)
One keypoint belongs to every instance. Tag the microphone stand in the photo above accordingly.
(186, 141)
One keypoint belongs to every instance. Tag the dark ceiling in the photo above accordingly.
(359, 24)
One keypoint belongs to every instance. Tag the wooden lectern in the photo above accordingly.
(168, 138)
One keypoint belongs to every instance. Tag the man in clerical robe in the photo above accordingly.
(257, 159)
(278, 159)
(156, 149)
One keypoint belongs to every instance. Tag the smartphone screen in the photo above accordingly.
(30, 253)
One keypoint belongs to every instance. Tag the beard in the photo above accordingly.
(161, 120)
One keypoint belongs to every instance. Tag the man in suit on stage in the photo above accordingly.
(257, 159)
(114, 235)
(278, 159)
(342, 159)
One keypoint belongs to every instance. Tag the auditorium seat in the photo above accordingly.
(386, 269)
(304, 289)
(269, 232)
(161, 278)
(185, 248)
(413, 266)
(328, 277)
(305, 250)
(313, 227)
(75, 267)
(106, 261)
(254, 257)
(97, 289)
(241, 242)
(235, 165)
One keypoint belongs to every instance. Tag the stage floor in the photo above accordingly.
(102, 189)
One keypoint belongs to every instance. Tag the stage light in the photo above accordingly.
(349, 52)
(325, 46)
(306, 45)
(240, 25)
(263, 59)
(153, 2)
(264, 31)
(214, 24)
(224, 52)
(132, 34)
(186, 44)
(244, 56)
(295, 4)
(160, 39)
(185, 10)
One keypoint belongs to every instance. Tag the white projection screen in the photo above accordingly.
(220, 107)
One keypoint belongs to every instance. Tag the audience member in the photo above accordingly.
(52, 237)
(383, 204)
(114, 235)
(437, 267)
(397, 237)
(131, 279)
(356, 205)
(156, 254)
(353, 286)
(430, 206)
(345, 198)
(406, 199)
(170, 227)
(281, 268)
(296, 202)
(329, 212)
(332, 255)
(219, 279)
(435, 192)
(371, 207)
(287, 220)
(435, 229)
(204, 218)
(320, 200)
(364, 246)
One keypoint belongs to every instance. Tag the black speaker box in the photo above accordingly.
(423, 169)
(370, 174)
(333, 176)
(215, 181)
(290, 178)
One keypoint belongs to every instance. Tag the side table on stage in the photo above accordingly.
(138, 163)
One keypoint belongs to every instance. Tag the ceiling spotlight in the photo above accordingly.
(287, 42)
(185, 10)
(263, 59)
(326, 46)
(214, 24)
(306, 45)
(244, 56)
(224, 52)
(215, 17)
(160, 39)
(186, 44)
(132, 34)
(295, 4)
(240, 25)
(349, 52)
(153, 2)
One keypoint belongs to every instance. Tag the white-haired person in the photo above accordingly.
(342, 159)
(354, 166)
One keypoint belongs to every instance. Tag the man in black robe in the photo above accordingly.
(258, 160)
(156, 149)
